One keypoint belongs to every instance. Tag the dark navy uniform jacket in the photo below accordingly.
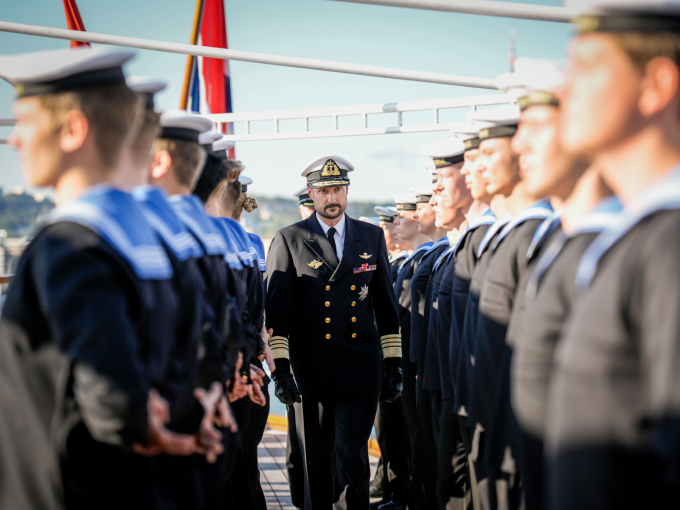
(443, 337)
(396, 262)
(614, 415)
(97, 286)
(332, 314)
(402, 289)
(420, 303)
(430, 368)
(465, 260)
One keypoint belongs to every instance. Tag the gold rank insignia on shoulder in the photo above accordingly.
(315, 264)
(365, 256)
(330, 169)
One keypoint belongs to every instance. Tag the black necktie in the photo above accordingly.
(331, 237)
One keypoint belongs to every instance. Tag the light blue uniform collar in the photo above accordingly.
(191, 213)
(259, 248)
(163, 219)
(239, 237)
(444, 241)
(538, 211)
(487, 218)
(543, 233)
(422, 247)
(493, 229)
(447, 252)
(118, 219)
(231, 255)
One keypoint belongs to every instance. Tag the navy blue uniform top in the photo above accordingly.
(420, 313)
(444, 317)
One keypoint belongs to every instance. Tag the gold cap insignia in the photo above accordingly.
(315, 264)
(330, 169)
(483, 133)
(19, 88)
(365, 256)
(586, 24)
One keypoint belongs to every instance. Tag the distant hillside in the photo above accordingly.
(273, 214)
(20, 212)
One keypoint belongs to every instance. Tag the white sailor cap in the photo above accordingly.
(445, 152)
(626, 15)
(405, 202)
(183, 125)
(373, 220)
(328, 171)
(208, 138)
(220, 149)
(245, 182)
(495, 122)
(467, 133)
(145, 87)
(422, 194)
(303, 197)
(533, 82)
(392, 209)
(49, 72)
(385, 213)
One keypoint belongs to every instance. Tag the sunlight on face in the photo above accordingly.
(498, 166)
(37, 143)
(599, 99)
(329, 202)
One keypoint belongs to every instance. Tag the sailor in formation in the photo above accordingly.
(531, 291)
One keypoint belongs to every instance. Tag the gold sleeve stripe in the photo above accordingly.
(391, 346)
(279, 347)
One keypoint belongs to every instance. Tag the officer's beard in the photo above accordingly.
(324, 212)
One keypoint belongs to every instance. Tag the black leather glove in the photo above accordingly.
(286, 389)
(392, 384)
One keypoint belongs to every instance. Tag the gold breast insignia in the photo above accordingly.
(365, 256)
(315, 264)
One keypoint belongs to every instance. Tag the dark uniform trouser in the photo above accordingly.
(342, 424)
(243, 488)
(396, 445)
(381, 480)
(453, 488)
(294, 462)
(427, 452)
(416, 496)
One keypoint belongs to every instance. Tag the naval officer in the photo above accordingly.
(332, 308)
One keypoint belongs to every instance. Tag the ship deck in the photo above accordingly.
(273, 474)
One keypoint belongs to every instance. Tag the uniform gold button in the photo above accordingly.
(328, 303)
(353, 287)
(328, 287)
(328, 336)
(354, 303)
(328, 319)
(354, 319)
(354, 335)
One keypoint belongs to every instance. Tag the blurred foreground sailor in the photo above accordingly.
(398, 253)
(613, 423)
(92, 289)
(328, 287)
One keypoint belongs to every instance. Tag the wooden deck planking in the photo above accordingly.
(273, 474)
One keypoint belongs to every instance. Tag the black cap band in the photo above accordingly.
(538, 97)
(472, 143)
(497, 132)
(406, 207)
(452, 160)
(388, 219)
(631, 22)
(423, 199)
(73, 82)
(175, 133)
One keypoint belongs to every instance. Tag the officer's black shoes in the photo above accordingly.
(392, 384)
(286, 389)
(391, 505)
(375, 492)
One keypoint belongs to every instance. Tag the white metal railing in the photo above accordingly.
(249, 56)
(335, 113)
(482, 7)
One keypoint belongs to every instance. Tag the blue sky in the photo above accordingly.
(363, 34)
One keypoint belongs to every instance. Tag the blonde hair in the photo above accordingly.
(111, 111)
(187, 158)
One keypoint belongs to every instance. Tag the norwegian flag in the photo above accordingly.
(74, 22)
(210, 90)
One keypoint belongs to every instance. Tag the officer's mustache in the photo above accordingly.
(326, 207)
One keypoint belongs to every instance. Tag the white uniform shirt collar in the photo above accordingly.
(339, 234)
